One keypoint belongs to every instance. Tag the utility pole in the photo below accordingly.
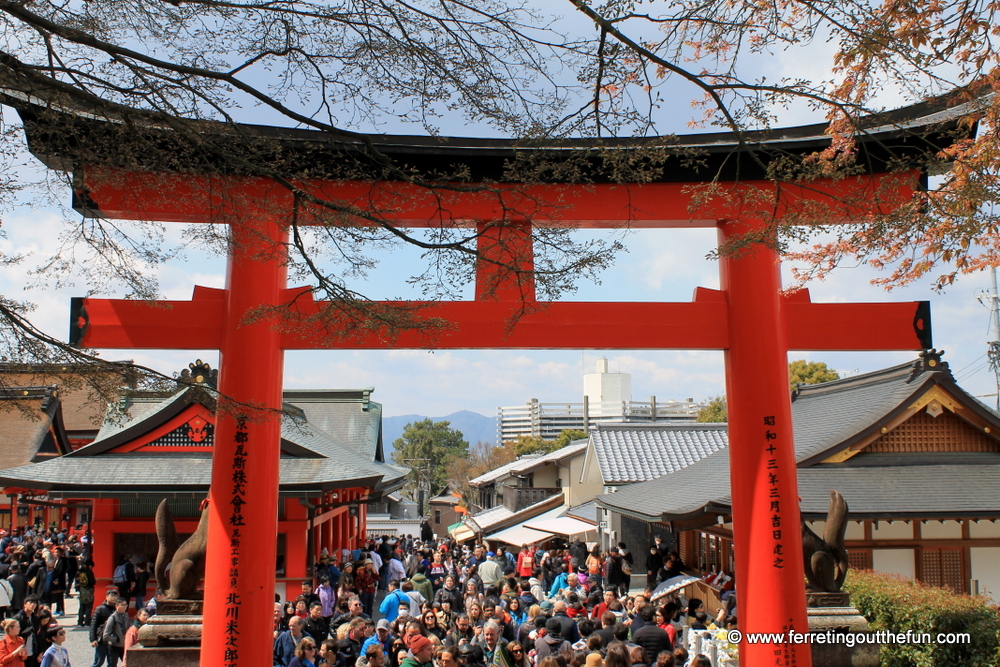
(992, 301)
(422, 480)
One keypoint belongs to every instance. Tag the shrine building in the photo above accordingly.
(914, 455)
(155, 445)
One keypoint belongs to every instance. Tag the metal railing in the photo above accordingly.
(516, 498)
(548, 420)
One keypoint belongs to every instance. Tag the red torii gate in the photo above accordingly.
(749, 318)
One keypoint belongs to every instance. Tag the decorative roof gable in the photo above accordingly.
(180, 424)
(881, 412)
(904, 441)
(31, 425)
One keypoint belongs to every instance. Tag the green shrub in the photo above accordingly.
(895, 604)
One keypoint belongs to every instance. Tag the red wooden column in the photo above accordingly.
(766, 528)
(243, 498)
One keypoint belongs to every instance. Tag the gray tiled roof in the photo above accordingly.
(136, 409)
(502, 470)
(871, 490)
(111, 474)
(874, 484)
(635, 453)
(680, 495)
(495, 517)
(526, 464)
(950, 489)
(329, 460)
(587, 511)
(348, 416)
(491, 517)
(830, 413)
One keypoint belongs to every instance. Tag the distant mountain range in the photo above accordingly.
(474, 426)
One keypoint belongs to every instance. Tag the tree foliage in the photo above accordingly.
(801, 371)
(429, 449)
(482, 458)
(527, 444)
(714, 412)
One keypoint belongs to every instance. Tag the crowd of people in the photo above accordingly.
(396, 603)
(39, 569)
(438, 604)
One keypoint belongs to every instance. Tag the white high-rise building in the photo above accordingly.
(605, 391)
(607, 398)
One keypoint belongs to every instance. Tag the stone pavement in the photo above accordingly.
(77, 639)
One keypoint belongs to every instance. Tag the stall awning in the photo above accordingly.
(563, 525)
(519, 535)
(461, 532)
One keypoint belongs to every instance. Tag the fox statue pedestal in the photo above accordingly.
(171, 638)
(840, 632)
(845, 631)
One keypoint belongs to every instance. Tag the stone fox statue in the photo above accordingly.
(187, 561)
(826, 557)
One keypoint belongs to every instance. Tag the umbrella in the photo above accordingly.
(672, 584)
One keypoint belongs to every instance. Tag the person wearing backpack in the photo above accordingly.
(85, 582)
(627, 562)
(124, 578)
(6, 597)
(97, 623)
(114, 632)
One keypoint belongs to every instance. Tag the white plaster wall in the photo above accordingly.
(983, 529)
(855, 531)
(897, 530)
(585, 483)
(894, 561)
(934, 530)
(546, 476)
(986, 568)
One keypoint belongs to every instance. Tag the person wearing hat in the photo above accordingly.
(366, 581)
(491, 571)
(552, 643)
(382, 637)
(421, 653)
(392, 601)
(595, 660)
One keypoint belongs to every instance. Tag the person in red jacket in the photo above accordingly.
(525, 561)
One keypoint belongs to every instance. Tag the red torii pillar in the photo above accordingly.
(762, 466)
(749, 318)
